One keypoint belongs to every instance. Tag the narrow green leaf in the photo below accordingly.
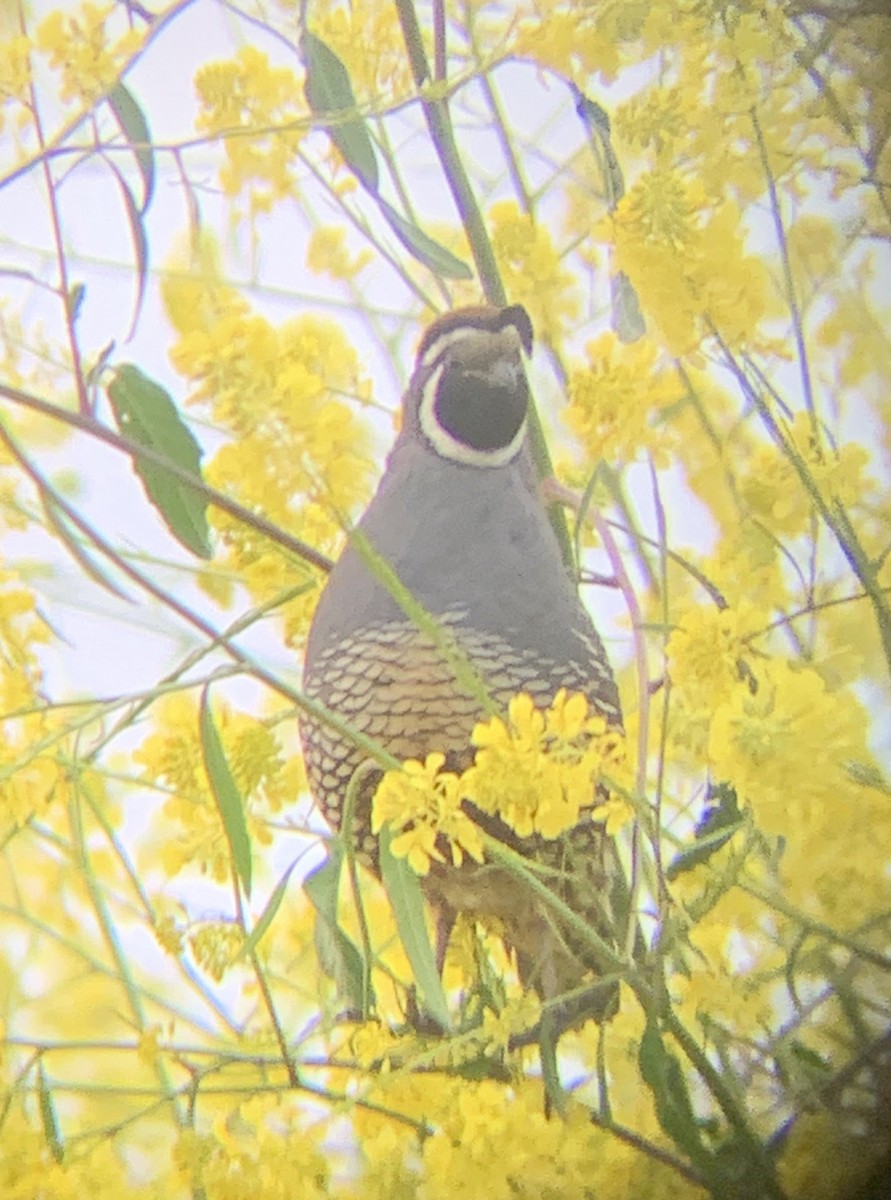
(84, 560)
(719, 823)
(662, 1073)
(627, 319)
(550, 1072)
(92, 376)
(581, 515)
(273, 904)
(422, 247)
(48, 1116)
(328, 90)
(145, 412)
(226, 794)
(140, 246)
(868, 775)
(132, 121)
(404, 890)
(338, 955)
(76, 295)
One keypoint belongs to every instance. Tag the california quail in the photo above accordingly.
(458, 516)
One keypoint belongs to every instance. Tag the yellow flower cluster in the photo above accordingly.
(709, 649)
(423, 803)
(215, 946)
(688, 263)
(784, 742)
(248, 93)
(171, 756)
(282, 392)
(861, 358)
(367, 38)
(262, 1147)
(79, 47)
(30, 775)
(327, 254)
(776, 494)
(532, 270)
(610, 410)
(15, 78)
(537, 771)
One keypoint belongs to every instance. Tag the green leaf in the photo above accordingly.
(719, 823)
(328, 90)
(48, 1116)
(581, 515)
(76, 295)
(92, 376)
(550, 1072)
(404, 891)
(273, 904)
(868, 775)
(339, 957)
(146, 414)
(422, 247)
(662, 1073)
(132, 121)
(140, 246)
(627, 319)
(226, 794)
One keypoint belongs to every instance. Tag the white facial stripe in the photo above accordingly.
(448, 446)
(439, 345)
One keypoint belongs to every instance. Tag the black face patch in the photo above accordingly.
(479, 412)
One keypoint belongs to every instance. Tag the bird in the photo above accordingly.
(459, 518)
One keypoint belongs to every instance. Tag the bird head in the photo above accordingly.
(468, 395)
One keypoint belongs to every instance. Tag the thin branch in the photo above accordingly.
(643, 709)
(791, 297)
(834, 516)
(80, 854)
(93, 427)
(648, 1148)
(758, 1155)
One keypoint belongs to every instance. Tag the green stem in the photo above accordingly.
(759, 1156)
(791, 296)
(110, 935)
(436, 113)
(517, 864)
(834, 516)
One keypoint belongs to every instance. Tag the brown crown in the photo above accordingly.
(480, 316)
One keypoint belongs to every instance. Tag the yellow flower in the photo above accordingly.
(215, 946)
(538, 771)
(708, 649)
(15, 74)
(615, 813)
(327, 254)
(784, 743)
(533, 270)
(248, 93)
(422, 802)
(609, 410)
(172, 759)
(367, 38)
(79, 47)
(287, 395)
